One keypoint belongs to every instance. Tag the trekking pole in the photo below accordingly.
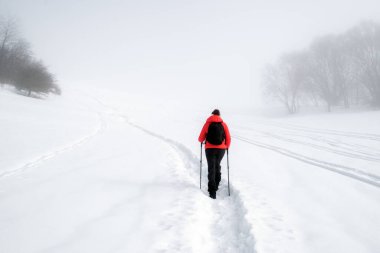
(200, 169)
(228, 170)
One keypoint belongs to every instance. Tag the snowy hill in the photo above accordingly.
(102, 171)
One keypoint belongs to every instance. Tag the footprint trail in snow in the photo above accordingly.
(206, 225)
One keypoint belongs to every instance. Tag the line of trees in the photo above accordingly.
(19, 68)
(336, 70)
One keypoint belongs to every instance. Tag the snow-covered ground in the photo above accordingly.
(102, 171)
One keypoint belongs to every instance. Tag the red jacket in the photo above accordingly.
(202, 135)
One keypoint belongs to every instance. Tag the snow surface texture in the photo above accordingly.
(114, 172)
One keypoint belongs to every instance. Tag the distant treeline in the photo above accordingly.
(18, 67)
(336, 70)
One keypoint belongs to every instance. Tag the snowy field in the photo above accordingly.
(100, 171)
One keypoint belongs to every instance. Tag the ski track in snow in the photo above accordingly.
(341, 169)
(323, 136)
(352, 153)
(231, 231)
(366, 136)
(100, 128)
(336, 143)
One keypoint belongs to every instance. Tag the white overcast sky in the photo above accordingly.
(188, 47)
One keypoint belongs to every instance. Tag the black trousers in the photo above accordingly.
(214, 157)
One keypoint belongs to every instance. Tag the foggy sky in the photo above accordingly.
(185, 48)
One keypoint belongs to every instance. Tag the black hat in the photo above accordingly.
(216, 112)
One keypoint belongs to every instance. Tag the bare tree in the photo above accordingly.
(336, 69)
(365, 43)
(18, 56)
(7, 38)
(275, 86)
(284, 80)
(326, 70)
(34, 77)
(18, 67)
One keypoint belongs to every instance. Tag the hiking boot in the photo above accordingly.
(213, 195)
